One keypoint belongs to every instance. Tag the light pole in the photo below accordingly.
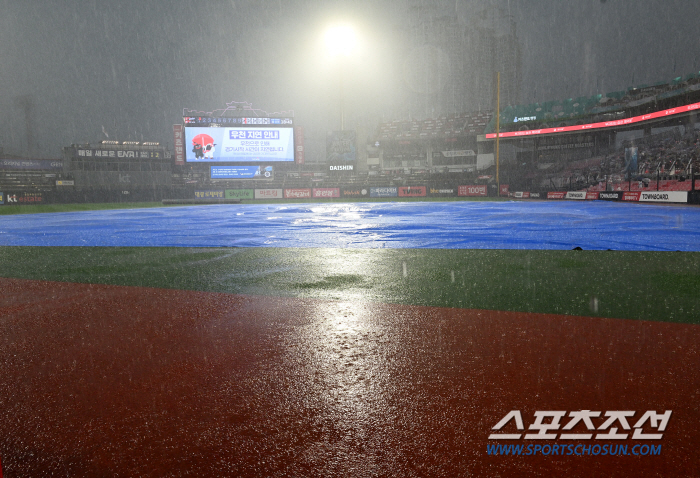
(498, 129)
(341, 41)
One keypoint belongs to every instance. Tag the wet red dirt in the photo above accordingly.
(100, 380)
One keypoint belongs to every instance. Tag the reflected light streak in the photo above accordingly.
(347, 369)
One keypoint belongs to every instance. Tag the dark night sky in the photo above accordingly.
(132, 66)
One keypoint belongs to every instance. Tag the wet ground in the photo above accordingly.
(351, 341)
(101, 380)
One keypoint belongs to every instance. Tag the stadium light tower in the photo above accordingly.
(341, 43)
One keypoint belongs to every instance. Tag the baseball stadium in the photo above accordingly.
(511, 291)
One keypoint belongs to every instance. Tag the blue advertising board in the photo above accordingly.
(241, 172)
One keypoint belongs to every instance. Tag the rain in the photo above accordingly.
(83, 71)
(353, 333)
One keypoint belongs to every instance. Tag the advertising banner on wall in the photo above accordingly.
(664, 196)
(340, 146)
(412, 191)
(23, 198)
(241, 172)
(326, 192)
(2, 198)
(610, 195)
(591, 195)
(341, 167)
(30, 164)
(354, 192)
(478, 190)
(576, 195)
(505, 188)
(556, 195)
(268, 194)
(387, 192)
(604, 124)
(297, 193)
(442, 192)
(240, 194)
(209, 194)
(118, 153)
(179, 142)
(630, 195)
(458, 153)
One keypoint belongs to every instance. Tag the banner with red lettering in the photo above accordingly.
(326, 192)
(297, 193)
(478, 190)
(412, 191)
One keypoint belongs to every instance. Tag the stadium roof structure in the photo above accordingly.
(235, 109)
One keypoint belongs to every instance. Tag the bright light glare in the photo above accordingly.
(340, 40)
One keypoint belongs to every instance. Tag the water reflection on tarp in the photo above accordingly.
(437, 225)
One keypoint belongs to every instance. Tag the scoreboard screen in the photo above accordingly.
(263, 139)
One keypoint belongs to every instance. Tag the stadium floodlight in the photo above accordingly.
(340, 40)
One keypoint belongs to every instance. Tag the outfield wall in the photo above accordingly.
(388, 192)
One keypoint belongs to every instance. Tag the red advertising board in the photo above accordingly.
(556, 195)
(299, 145)
(603, 124)
(504, 189)
(631, 195)
(592, 195)
(412, 191)
(326, 192)
(478, 190)
(297, 193)
(179, 142)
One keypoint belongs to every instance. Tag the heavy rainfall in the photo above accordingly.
(374, 238)
(82, 71)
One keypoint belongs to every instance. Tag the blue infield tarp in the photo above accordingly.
(444, 225)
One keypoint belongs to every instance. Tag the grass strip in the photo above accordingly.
(659, 286)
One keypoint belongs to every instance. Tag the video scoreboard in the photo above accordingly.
(231, 140)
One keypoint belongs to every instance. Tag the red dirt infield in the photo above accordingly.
(101, 380)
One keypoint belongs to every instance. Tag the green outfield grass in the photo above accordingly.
(659, 286)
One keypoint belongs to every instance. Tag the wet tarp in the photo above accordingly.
(438, 225)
